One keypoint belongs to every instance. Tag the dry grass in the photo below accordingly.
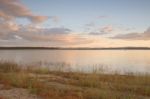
(75, 85)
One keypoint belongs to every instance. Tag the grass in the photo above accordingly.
(74, 85)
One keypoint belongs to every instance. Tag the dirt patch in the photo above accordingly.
(16, 93)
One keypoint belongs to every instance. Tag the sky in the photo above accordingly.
(75, 23)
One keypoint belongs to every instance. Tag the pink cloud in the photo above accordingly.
(11, 9)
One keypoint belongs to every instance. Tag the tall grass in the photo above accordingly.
(74, 85)
(9, 67)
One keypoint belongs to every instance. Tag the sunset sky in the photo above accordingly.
(75, 23)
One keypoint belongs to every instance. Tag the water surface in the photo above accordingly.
(84, 60)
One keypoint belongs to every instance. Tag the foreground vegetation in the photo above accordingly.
(49, 84)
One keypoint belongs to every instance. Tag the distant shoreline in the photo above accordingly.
(83, 48)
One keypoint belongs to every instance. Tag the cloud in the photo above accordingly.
(107, 29)
(14, 33)
(103, 30)
(6, 26)
(57, 30)
(56, 40)
(35, 34)
(97, 33)
(55, 19)
(11, 32)
(12, 9)
(102, 17)
(37, 19)
(129, 29)
(91, 24)
(134, 36)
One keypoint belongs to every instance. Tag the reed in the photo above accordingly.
(74, 85)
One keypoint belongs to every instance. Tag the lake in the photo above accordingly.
(123, 61)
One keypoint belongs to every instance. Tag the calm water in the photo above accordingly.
(85, 60)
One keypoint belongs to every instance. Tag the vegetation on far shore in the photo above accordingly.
(49, 84)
